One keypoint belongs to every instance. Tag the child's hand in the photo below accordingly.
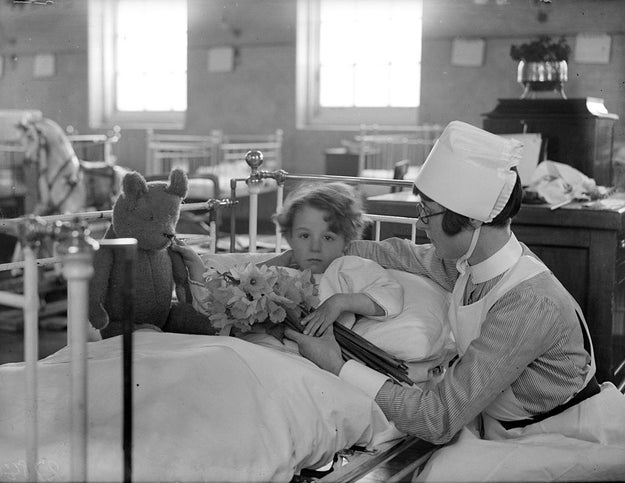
(190, 258)
(324, 316)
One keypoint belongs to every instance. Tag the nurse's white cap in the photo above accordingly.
(468, 171)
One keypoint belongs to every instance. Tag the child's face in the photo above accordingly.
(314, 245)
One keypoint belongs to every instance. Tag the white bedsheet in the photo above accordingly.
(584, 443)
(206, 408)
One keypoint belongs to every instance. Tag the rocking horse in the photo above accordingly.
(66, 184)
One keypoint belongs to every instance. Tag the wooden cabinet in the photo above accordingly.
(578, 132)
(584, 246)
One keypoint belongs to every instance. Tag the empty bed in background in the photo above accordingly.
(218, 154)
(378, 153)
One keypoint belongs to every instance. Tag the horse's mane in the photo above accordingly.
(54, 135)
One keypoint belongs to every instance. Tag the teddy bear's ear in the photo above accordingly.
(134, 185)
(178, 183)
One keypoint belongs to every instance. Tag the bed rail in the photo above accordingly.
(254, 159)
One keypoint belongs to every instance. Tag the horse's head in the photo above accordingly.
(42, 139)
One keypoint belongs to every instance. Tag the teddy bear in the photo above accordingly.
(148, 212)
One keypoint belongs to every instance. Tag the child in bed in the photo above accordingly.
(319, 221)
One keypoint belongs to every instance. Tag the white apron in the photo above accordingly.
(583, 443)
(466, 323)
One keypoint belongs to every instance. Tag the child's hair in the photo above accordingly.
(340, 201)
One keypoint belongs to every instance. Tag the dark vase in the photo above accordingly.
(542, 76)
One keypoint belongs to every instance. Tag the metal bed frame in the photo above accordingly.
(75, 256)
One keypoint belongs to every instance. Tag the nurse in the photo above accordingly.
(525, 358)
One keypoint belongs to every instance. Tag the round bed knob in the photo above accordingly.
(254, 159)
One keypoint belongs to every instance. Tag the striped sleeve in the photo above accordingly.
(402, 254)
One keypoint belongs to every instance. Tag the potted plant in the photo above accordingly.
(542, 64)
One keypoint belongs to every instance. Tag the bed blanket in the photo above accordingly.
(207, 408)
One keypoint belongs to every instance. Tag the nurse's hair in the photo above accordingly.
(341, 203)
(453, 222)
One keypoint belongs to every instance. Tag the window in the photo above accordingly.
(137, 63)
(359, 62)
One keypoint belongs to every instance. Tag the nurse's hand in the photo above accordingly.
(323, 351)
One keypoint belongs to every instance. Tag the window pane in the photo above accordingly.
(151, 67)
(404, 86)
(127, 85)
(338, 88)
(369, 53)
(372, 86)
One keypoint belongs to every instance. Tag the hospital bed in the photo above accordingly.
(153, 406)
(150, 406)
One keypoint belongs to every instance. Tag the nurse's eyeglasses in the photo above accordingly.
(422, 214)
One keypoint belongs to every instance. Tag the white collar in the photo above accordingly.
(498, 263)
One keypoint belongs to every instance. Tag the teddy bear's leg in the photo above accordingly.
(184, 319)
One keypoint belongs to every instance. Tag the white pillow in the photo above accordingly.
(421, 330)
(419, 333)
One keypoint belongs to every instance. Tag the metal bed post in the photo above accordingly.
(279, 200)
(233, 214)
(76, 250)
(30, 232)
(31, 353)
(254, 159)
(127, 247)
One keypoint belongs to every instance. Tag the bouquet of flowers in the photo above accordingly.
(248, 295)
(278, 296)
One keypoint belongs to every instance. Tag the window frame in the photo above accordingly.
(310, 114)
(101, 60)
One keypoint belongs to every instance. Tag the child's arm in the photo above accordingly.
(331, 308)
(358, 286)
(191, 259)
